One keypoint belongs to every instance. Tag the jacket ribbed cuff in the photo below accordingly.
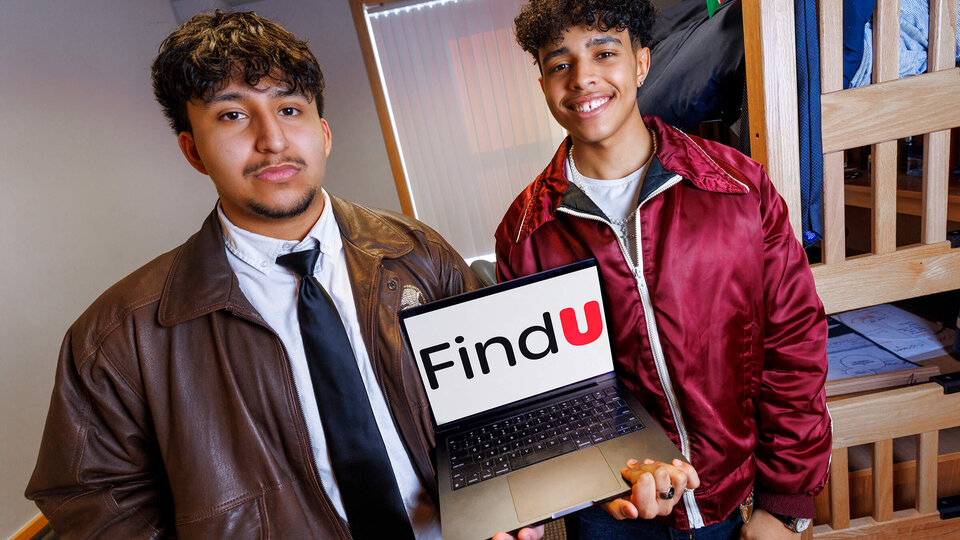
(798, 506)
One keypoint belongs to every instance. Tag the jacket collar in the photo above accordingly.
(367, 231)
(677, 154)
(655, 178)
(200, 280)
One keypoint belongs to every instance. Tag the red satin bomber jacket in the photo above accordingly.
(719, 332)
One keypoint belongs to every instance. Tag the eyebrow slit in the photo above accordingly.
(595, 42)
(603, 40)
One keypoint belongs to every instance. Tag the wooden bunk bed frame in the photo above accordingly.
(877, 114)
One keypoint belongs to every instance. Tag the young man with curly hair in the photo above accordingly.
(252, 382)
(717, 326)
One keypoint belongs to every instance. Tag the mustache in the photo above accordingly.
(253, 169)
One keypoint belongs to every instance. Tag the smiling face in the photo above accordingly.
(590, 79)
(265, 148)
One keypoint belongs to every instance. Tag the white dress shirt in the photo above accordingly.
(272, 290)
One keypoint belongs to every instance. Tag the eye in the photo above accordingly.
(289, 111)
(232, 116)
(559, 67)
(606, 54)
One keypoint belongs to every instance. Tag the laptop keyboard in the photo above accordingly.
(507, 445)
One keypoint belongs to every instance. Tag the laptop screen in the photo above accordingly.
(511, 341)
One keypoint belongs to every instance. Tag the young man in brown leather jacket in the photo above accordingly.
(252, 382)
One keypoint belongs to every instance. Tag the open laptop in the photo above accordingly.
(531, 422)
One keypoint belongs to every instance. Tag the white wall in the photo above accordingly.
(92, 184)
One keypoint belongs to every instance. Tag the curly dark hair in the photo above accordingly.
(542, 22)
(211, 49)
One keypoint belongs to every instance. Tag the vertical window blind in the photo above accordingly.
(466, 109)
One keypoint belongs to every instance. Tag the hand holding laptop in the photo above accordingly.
(657, 487)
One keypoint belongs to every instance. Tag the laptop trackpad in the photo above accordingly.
(561, 482)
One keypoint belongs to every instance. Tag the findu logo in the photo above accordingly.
(433, 361)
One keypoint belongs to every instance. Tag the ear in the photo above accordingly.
(189, 148)
(643, 64)
(327, 140)
(540, 80)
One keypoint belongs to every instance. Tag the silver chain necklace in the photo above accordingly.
(577, 179)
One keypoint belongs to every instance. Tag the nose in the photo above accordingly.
(271, 138)
(582, 76)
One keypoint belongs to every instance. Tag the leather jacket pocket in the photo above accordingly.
(751, 367)
(241, 519)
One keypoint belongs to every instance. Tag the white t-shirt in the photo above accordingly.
(617, 199)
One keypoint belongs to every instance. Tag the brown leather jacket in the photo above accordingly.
(175, 413)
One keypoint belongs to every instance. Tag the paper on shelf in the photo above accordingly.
(899, 331)
(851, 355)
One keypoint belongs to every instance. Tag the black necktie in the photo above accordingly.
(364, 475)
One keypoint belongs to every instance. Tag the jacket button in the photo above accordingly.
(392, 284)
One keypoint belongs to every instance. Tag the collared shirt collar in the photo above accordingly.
(200, 279)
(261, 252)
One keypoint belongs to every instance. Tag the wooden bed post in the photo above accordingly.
(839, 490)
(927, 446)
(936, 145)
(883, 177)
(771, 65)
(831, 80)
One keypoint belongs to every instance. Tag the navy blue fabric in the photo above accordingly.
(856, 13)
(596, 523)
(808, 102)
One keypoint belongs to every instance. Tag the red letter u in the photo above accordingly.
(571, 330)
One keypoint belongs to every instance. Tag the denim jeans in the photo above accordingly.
(595, 523)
